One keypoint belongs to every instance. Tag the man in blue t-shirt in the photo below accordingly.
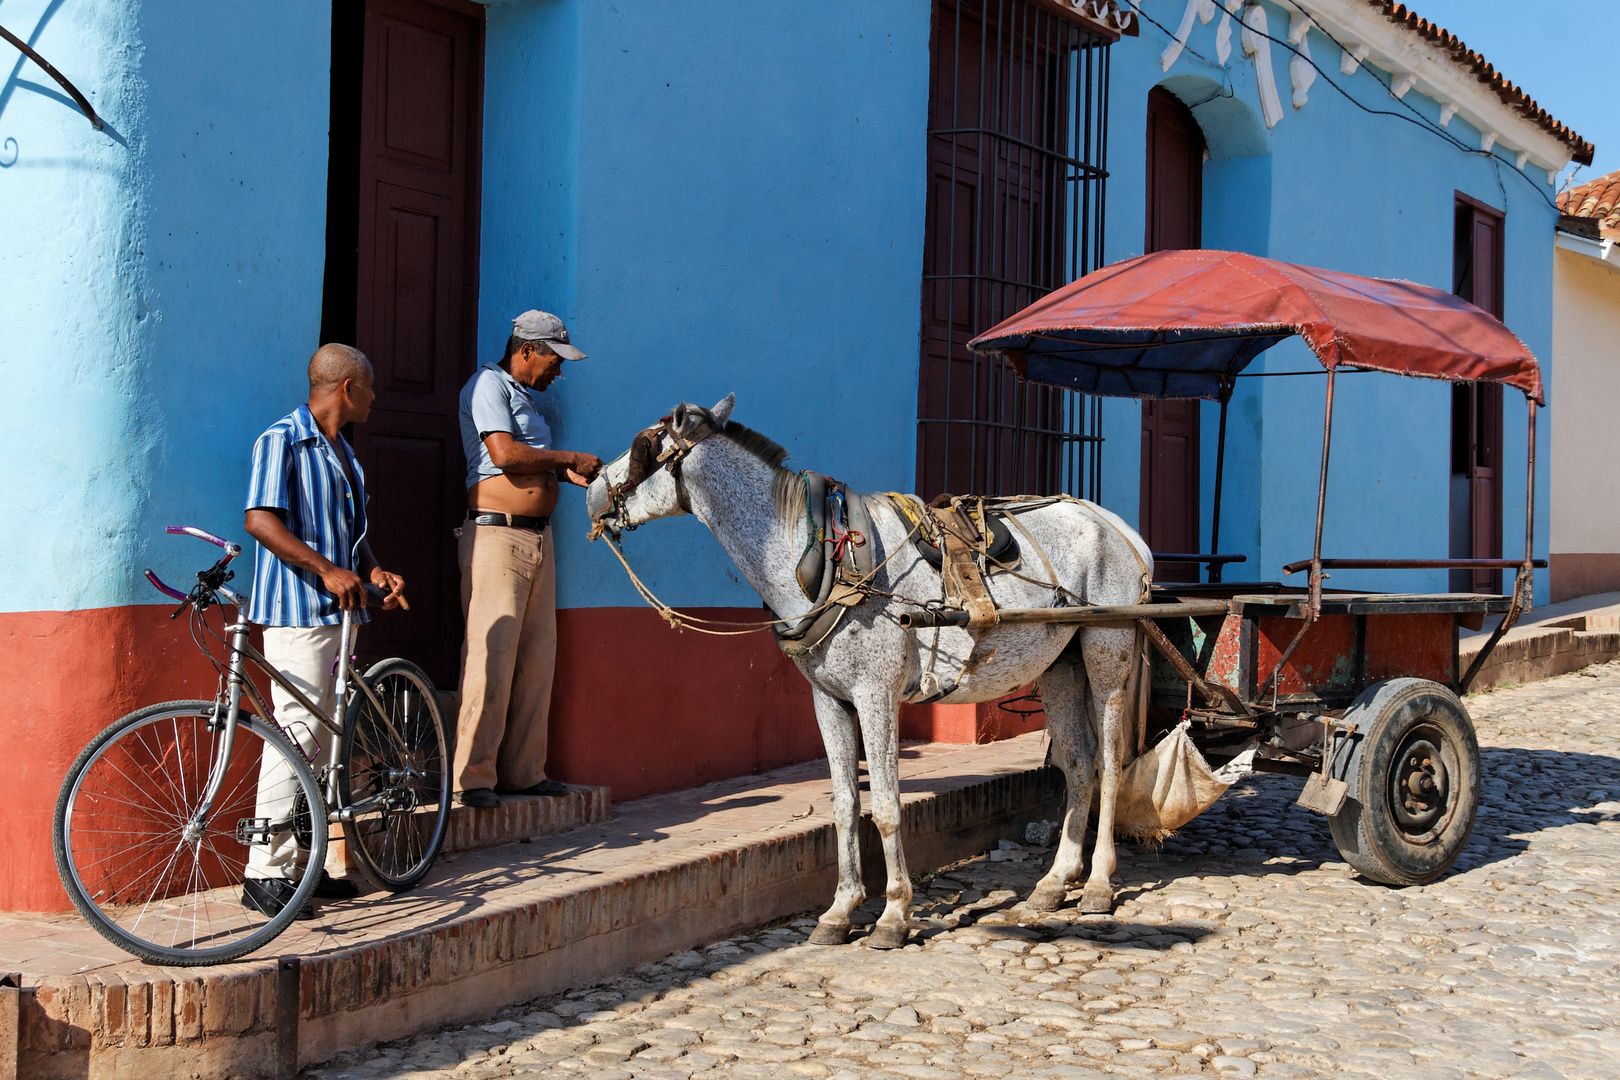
(508, 578)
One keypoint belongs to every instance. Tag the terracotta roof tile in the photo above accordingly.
(1598, 199)
(1463, 56)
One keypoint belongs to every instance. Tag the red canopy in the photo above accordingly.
(1184, 323)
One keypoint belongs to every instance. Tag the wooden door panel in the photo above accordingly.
(418, 117)
(409, 500)
(416, 329)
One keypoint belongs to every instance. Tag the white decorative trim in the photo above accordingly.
(1394, 48)
(1223, 33)
(1552, 177)
(1301, 72)
(1488, 140)
(1255, 44)
(1447, 111)
(1401, 86)
(1204, 10)
(1351, 59)
(1522, 157)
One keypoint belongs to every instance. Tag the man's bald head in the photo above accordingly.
(334, 363)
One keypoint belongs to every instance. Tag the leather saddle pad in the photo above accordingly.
(1003, 543)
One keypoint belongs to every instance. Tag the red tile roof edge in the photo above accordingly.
(1463, 56)
(1598, 199)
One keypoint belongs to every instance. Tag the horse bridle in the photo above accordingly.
(646, 459)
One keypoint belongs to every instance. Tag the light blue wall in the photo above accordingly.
(162, 279)
(745, 184)
(1340, 188)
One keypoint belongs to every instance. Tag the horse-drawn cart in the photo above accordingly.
(1359, 692)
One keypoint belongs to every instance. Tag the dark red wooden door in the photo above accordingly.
(421, 114)
(1476, 408)
(1175, 198)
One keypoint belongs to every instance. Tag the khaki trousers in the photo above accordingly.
(305, 654)
(509, 596)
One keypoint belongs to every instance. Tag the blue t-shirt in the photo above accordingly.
(494, 401)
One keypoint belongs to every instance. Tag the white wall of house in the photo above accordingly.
(1585, 535)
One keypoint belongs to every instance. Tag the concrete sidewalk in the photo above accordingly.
(500, 925)
(1547, 641)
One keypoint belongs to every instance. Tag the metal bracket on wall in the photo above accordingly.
(45, 66)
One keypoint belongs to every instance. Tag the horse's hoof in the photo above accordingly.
(829, 934)
(1046, 898)
(1097, 901)
(886, 937)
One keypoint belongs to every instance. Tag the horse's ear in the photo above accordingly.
(722, 409)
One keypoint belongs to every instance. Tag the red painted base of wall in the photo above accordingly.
(636, 706)
(68, 675)
(643, 708)
(984, 722)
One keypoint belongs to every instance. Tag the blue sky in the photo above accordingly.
(1558, 53)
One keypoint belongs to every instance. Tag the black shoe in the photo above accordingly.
(331, 888)
(480, 796)
(268, 896)
(544, 787)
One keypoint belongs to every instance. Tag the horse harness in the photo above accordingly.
(646, 459)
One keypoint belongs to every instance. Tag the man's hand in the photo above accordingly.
(395, 586)
(346, 586)
(585, 466)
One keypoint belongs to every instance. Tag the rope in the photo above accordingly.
(680, 620)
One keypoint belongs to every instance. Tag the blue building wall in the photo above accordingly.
(718, 198)
(162, 279)
(1331, 185)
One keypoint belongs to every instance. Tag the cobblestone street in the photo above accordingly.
(1243, 947)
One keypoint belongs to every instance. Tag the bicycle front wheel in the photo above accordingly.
(153, 874)
(394, 780)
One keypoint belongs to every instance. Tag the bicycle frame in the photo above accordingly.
(242, 652)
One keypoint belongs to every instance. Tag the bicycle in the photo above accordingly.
(158, 814)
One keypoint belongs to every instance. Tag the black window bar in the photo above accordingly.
(1017, 169)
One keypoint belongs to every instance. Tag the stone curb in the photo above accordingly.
(1531, 653)
(221, 1021)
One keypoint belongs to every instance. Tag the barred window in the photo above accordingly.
(1017, 140)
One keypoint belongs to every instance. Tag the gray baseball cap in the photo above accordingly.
(542, 326)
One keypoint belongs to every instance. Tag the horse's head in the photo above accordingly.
(644, 482)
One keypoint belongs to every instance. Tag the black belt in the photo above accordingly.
(514, 521)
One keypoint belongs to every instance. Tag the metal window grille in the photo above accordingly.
(1017, 164)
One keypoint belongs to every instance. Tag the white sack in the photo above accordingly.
(1170, 785)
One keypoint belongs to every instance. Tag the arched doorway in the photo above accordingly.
(1175, 199)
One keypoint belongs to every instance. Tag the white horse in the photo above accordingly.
(731, 479)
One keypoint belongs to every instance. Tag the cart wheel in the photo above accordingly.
(1412, 767)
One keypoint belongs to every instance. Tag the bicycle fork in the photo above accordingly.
(235, 679)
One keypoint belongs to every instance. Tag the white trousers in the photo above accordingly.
(305, 655)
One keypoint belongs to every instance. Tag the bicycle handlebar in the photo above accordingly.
(231, 550)
(174, 594)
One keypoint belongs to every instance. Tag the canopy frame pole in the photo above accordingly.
(1321, 499)
(1313, 609)
(1220, 471)
(1524, 580)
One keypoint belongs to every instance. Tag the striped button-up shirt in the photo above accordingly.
(296, 472)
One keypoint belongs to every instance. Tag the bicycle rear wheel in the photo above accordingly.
(139, 864)
(394, 779)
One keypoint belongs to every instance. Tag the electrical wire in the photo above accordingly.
(1416, 118)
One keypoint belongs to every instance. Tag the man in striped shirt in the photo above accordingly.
(306, 507)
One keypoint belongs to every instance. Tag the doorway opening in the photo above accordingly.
(1476, 408)
(402, 286)
(1170, 429)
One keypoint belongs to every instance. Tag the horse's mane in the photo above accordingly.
(787, 489)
